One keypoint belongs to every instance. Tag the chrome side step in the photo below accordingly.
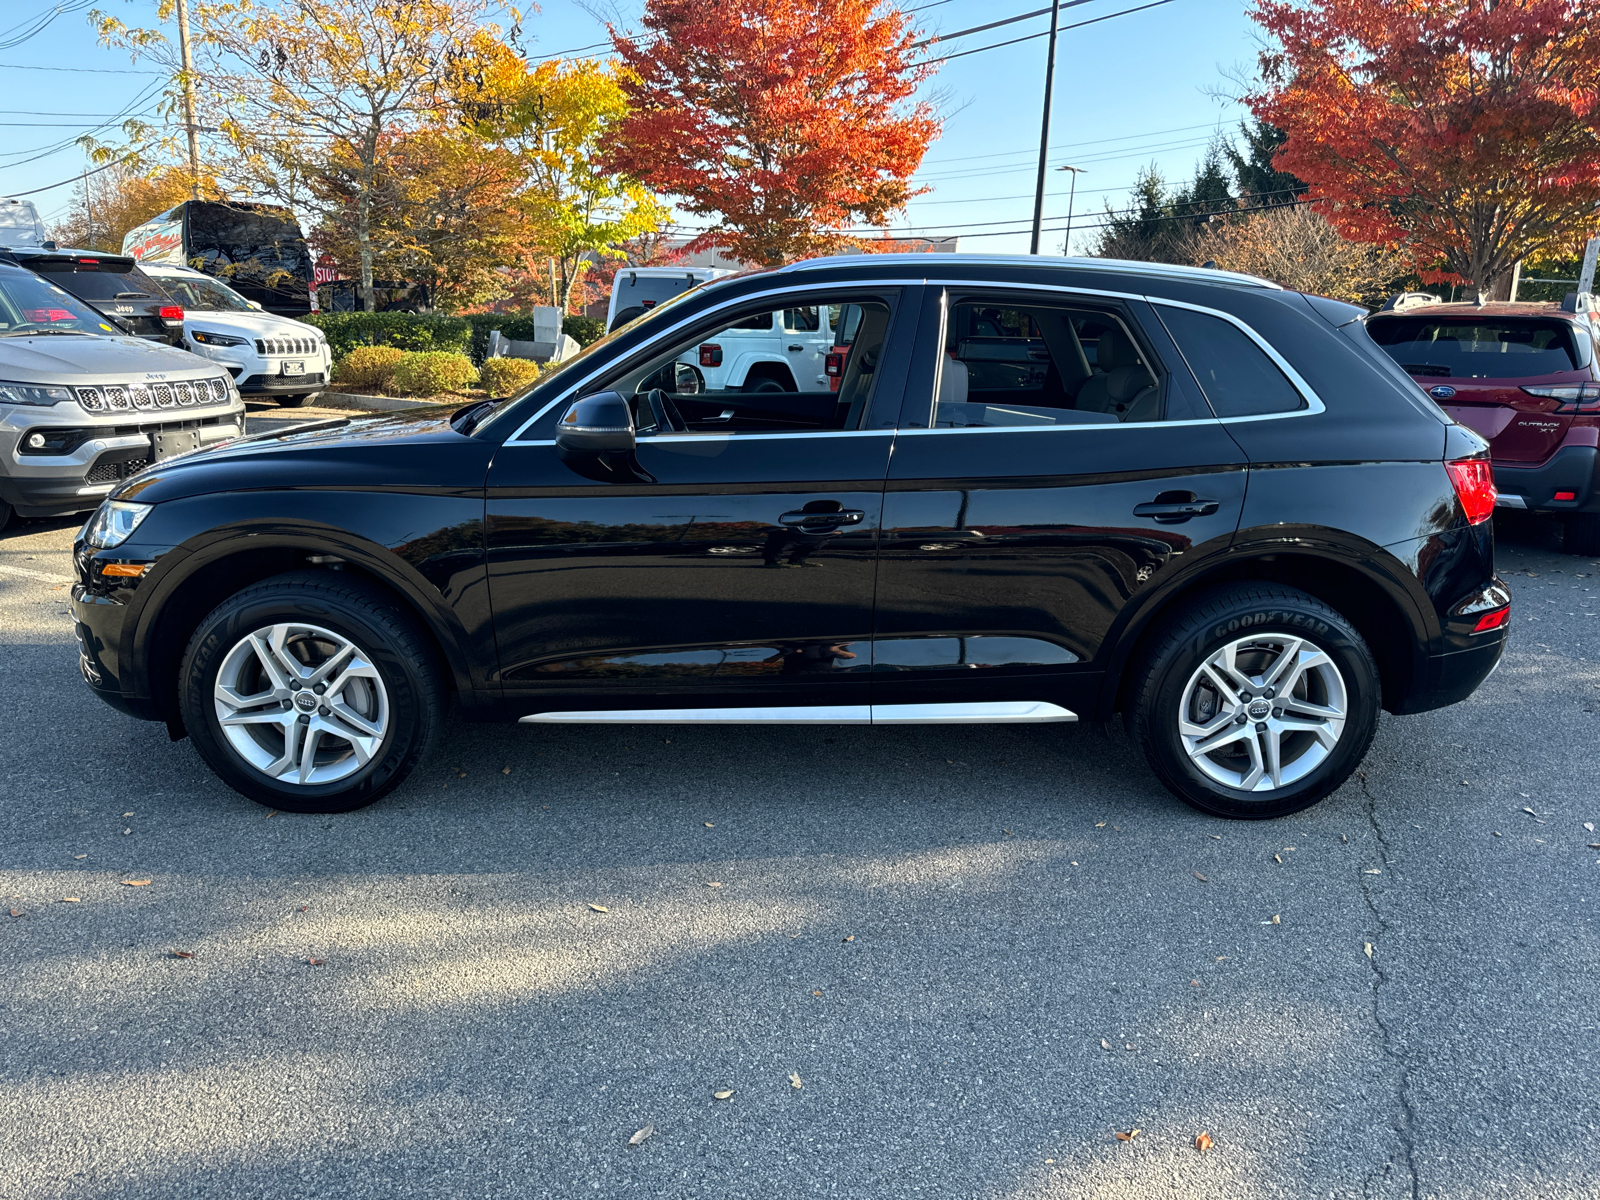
(1000, 712)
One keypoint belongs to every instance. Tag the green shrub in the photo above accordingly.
(367, 368)
(407, 331)
(429, 372)
(430, 331)
(507, 376)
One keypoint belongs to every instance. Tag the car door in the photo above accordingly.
(1037, 492)
(730, 565)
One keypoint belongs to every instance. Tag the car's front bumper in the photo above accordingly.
(1534, 486)
(106, 452)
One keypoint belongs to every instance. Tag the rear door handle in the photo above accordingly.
(796, 348)
(816, 520)
(1171, 512)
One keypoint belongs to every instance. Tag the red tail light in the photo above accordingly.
(1492, 620)
(1473, 479)
(833, 364)
(171, 312)
(710, 354)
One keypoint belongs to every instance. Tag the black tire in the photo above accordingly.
(766, 383)
(1581, 534)
(6, 513)
(1204, 628)
(294, 401)
(386, 637)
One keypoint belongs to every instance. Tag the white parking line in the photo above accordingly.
(39, 575)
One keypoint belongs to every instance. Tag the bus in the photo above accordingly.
(258, 249)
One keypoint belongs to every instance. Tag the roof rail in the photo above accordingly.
(1119, 266)
(1401, 301)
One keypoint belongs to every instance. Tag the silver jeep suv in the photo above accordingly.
(82, 407)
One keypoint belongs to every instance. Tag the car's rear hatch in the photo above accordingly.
(1479, 369)
(116, 286)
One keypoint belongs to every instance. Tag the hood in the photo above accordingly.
(62, 359)
(251, 324)
(415, 450)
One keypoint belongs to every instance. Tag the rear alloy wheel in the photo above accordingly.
(1256, 702)
(1581, 534)
(309, 693)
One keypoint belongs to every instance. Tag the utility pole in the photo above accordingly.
(189, 126)
(1044, 126)
(1072, 192)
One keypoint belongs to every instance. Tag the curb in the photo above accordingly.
(372, 403)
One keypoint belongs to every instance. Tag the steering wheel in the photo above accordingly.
(665, 412)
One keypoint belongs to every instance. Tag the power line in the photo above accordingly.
(1058, 146)
(1077, 226)
(1046, 33)
(89, 70)
(50, 187)
(34, 26)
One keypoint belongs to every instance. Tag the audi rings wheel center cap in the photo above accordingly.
(307, 701)
(1258, 709)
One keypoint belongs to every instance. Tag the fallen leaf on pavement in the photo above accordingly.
(316, 962)
(1099, 824)
(1344, 839)
(1104, 1045)
(1594, 845)
(135, 883)
(722, 1095)
(70, 900)
(1589, 825)
(709, 825)
(1372, 871)
(80, 856)
(274, 813)
(180, 953)
(851, 938)
(1529, 811)
(1366, 948)
(505, 770)
(1194, 983)
(1202, 1142)
(794, 1080)
(713, 885)
(1276, 859)
(1201, 877)
(1276, 920)
(816, 993)
(638, 1138)
(1129, 1136)
(599, 908)
(16, 912)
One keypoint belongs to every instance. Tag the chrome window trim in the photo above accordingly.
(1314, 404)
(1122, 266)
(516, 438)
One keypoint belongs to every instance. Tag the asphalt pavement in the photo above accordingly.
(926, 962)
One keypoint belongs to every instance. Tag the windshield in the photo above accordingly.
(29, 304)
(556, 379)
(1477, 347)
(204, 295)
(102, 283)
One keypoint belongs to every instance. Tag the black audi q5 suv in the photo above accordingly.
(1004, 490)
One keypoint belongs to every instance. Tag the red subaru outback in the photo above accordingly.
(1525, 376)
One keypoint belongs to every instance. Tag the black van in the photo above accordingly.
(257, 248)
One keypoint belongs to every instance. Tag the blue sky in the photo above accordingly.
(1129, 91)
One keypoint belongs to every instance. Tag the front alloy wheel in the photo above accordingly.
(1255, 700)
(301, 704)
(310, 692)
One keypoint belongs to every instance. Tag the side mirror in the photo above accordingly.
(685, 380)
(597, 424)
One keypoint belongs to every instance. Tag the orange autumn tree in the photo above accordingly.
(786, 121)
(1465, 132)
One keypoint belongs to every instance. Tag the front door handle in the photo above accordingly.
(796, 349)
(823, 520)
(1170, 512)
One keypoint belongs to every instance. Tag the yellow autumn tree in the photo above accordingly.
(296, 88)
(553, 115)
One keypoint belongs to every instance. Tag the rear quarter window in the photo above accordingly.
(1237, 377)
(1478, 347)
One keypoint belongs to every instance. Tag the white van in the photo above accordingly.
(636, 290)
(20, 225)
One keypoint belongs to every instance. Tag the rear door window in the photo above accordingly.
(1237, 376)
(1477, 347)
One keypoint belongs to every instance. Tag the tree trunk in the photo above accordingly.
(364, 241)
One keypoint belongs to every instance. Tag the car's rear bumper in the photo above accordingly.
(1450, 678)
(1534, 486)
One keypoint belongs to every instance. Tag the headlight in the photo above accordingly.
(113, 523)
(27, 393)
(217, 339)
